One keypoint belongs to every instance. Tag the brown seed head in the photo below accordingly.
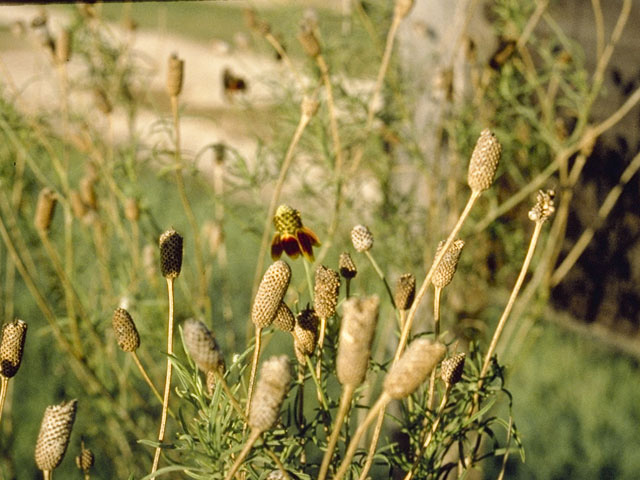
(415, 365)
(284, 319)
(77, 205)
(362, 238)
(405, 291)
(270, 392)
(447, 268)
(131, 210)
(309, 41)
(88, 191)
(305, 331)
(359, 319)
(125, 330)
(309, 106)
(484, 161)
(271, 291)
(451, 369)
(85, 460)
(544, 206)
(175, 73)
(347, 267)
(55, 431)
(45, 208)
(102, 101)
(256, 24)
(63, 46)
(170, 253)
(402, 8)
(201, 345)
(12, 347)
(325, 292)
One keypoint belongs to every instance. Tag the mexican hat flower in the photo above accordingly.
(291, 236)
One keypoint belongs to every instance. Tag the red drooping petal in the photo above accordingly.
(307, 240)
(276, 247)
(290, 245)
(313, 237)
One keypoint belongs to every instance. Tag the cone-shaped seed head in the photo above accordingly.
(85, 460)
(347, 267)
(305, 333)
(270, 392)
(309, 106)
(447, 268)
(55, 431)
(544, 206)
(284, 319)
(359, 319)
(287, 220)
(12, 347)
(175, 75)
(45, 208)
(415, 365)
(451, 369)
(125, 330)
(201, 345)
(403, 7)
(362, 238)
(309, 41)
(325, 292)
(170, 253)
(271, 291)
(63, 46)
(484, 161)
(256, 24)
(405, 291)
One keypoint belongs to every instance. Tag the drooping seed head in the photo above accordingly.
(201, 345)
(270, 392)
(175, 74)
(305, 332)
(55, 431)
(271, 291)
(448, 265)
(484, 161)
(544, 206)
(45, 208)
(452, 368)
(63, 46)
(359, 319)
(362, 238)
(284, 319)
(85, 460)
(170, 253)
(309, 41)
(12, 347)
(125, 330)
(405, 291)
(415, 365)
(325, 292)
(347, 267)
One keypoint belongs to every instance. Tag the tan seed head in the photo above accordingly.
(170, 253)
(484, 161)
(402, 8)
(12, 347)
(415, 365)
(305, 333)
(451, 369)
(175, 74)
(359, 319)
(88, 191)
(448, 265)
(362, 238)
(45, 208)
(125, 330)
(270, 392)
(309, 106)
(85, 460)
(347, 267)
(63, 46)
(405, 291)
(256, 24)
(544, 206)
(271, 291)
(325, 292)
(132, 210)
(309, 41)
(201, 345)
(77, 205)
(284, 319)
(102, 101)
(55, 431)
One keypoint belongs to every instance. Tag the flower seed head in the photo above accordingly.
(484, 161)
(325, 292)
(271, 291)
(284, 319)
(309, 41)
(544, 206)
(201, 345)
(305, 332)
(402, 8)
(45, 208)
(451, 369)
(448, 265)
(132, 210)
(85, 460)
(88, 191)
(287, 220)
(55, 431)
(63, 46)
(77, 205)
(12, 347)
(256, 24)
(415, 365)
(125, 330)
(359, 319)
(362, 238)
(102, 101)
(347, 267)
(405, 291)
(175, 74)
(270, 392)
(309, 106)
(170, 253)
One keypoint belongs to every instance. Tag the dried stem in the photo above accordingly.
(283, 54)
(377, 430)
(380, 273)
(343, 409)
(136, 359)
(436, 321)
(254, 369)
(4, 384)
(255, 434)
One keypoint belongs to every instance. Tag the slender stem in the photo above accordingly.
(353, 444)
(4, 384)
(167, 383)
(599, 21)
(307, 273)
(382, 276)
(333, 118)
(47, 474)
(377, 430)
(255, 434)
(323, 327)
(321, 398)
(436, 320)
(136, 359)
(343, 409)
(254, 369)
(283, 54)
